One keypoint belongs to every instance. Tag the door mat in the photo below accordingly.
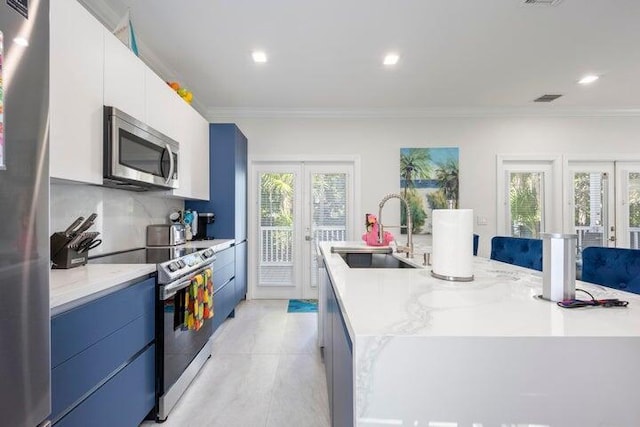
(302, 306)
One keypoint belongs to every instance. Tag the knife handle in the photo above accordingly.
(88, 223)
(73, 225)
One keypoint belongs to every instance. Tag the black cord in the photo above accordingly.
(582, 290)
(576, 303)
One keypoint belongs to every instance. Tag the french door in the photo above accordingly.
(298, 205)
(603, 203)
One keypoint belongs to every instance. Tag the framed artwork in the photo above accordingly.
(428, 181)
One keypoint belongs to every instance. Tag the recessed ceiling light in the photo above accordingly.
(588, 79)
(259, 56)
(21, 41)
(391, 59)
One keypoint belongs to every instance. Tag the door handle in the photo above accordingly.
(612, 238)
(171, 164)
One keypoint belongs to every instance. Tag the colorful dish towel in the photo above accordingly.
(198, 301)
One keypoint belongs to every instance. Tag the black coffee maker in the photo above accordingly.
(204, 218)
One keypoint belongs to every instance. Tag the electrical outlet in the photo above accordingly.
(482, 220)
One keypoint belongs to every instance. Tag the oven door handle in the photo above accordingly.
(170, 290)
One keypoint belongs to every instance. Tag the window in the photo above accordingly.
(526, 203)
(527, 199)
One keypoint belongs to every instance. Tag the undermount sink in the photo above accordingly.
(373, 260)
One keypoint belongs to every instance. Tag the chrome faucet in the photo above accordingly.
(409, 248)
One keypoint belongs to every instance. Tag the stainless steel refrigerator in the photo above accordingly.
(25, 390)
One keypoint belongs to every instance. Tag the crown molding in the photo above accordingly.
(218, 114)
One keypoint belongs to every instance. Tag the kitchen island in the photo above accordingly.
(425, 352)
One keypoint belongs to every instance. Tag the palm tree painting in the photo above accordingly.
(428, 180)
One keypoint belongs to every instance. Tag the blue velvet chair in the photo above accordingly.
(517, 251)
(612, 267)
(476, 239)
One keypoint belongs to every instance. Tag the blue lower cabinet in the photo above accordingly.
(123, 401)
(224, 302)
(71, 380)
(75, 330)
(338, 360)
(103, 359)
(241, 271)
(342, 370)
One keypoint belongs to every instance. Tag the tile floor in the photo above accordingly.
(265, 371)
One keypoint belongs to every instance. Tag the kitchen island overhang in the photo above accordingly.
(486, 352)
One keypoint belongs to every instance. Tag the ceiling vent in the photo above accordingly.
(543, 2)
(547, 98)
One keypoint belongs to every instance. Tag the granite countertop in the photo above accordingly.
(501, 302)
(76, 286)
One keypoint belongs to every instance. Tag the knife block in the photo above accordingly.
(62, 256)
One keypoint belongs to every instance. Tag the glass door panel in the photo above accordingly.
(277, 228)
(526, 204)
(628, 204)
(591, 205)
(633, 195)
(329, 213)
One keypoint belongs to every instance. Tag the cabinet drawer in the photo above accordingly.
(77, 329)
(224, 257)
(223, 303)
(222, 275)
(74, 378)
(124, 400)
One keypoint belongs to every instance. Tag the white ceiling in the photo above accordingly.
(455, 55)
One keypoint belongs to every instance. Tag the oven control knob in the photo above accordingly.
(208, 253)
(172, 267)
(181, 263)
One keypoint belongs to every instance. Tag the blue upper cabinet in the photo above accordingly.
(228, 185)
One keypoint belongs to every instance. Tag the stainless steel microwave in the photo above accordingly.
(137, 157)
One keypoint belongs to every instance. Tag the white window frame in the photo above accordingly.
(551, 166)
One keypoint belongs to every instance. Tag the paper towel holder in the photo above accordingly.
(453, 225)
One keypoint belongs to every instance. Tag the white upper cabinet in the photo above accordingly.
(91, 68)
(76, 91)
(162, 105)
(194, 153)
(200, 159)
(181, 121)
(124, 78)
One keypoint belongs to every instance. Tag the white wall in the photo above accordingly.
(123, 215)
(377, 142)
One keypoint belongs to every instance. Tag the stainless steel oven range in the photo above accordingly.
(181, 351)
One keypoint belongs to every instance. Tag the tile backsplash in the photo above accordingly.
(123, 215)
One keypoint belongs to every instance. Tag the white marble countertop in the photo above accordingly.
(500, 302)
(73, 287)
(486, 352)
